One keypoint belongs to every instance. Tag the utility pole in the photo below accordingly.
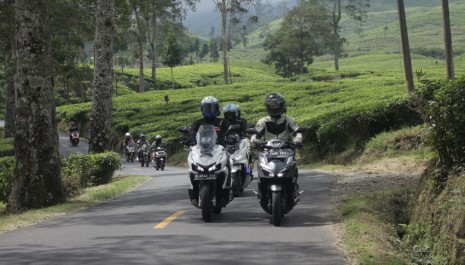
(405, 46)
(448, 40)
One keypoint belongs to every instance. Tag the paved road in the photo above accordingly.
(122, 231)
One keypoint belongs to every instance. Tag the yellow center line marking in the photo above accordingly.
(168, 220)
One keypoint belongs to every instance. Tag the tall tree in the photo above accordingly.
(8, 33)
(102, 105)
(172, 54)
(304, 33)
(355, 9)
(141, 28)
(226, 7)
(405, 46)
(448, 40)
(37, 181)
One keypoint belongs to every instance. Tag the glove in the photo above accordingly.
(298, 143)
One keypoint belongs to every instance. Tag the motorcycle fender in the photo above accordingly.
(275, 188)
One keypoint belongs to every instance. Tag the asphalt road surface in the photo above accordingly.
(156, 224)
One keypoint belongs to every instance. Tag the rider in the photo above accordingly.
(276, 124)
(73, 128)
(210, 109)
(157, 141)
(140, 143)
(127, 140)
(231, 113)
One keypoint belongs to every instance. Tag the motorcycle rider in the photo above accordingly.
(140, 143)
(157, 141)
(276, 124)
(73, 128)
(127, 140)
(210, 109)
(231, 114)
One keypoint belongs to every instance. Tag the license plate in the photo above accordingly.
(204, 177)
(278, 153)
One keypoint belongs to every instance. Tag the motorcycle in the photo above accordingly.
(241, 171)
(159, 157)
(144, 155)
(130, 152)
(277, 177)
(74, 138)
(209, 171)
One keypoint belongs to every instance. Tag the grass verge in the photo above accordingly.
(90, 196)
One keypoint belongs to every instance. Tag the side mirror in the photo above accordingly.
(183, 129)
(250, 125)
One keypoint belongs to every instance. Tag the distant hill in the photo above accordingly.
(380, 33)
(205, 17)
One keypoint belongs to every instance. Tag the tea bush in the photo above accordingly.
(7, 166)
(93, 169)
(443, 107)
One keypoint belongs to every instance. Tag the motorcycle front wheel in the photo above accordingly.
(206, 202)
(276, 208)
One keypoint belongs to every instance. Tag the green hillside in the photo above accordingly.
(380, 32)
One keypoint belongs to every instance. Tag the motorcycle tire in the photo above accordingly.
(276, 208)
(206, 202)
(128, 158)
(235, 187)
(217, 209)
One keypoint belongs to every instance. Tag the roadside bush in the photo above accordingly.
(443, 107)
(6, 147)
(7, 166)
(93, 169)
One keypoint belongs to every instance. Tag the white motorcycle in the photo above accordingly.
(239, 149)
(209, 172)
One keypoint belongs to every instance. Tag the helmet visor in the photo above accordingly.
(210, 110)
(274, 109)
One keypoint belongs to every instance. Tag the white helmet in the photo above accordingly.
(127, 135)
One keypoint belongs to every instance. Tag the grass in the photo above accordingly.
(369, 234)
(90, 196)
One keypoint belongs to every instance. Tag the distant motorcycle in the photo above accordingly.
(144, 155)
(277, 176)
(159, 157)
(74, 138)
(130, 152)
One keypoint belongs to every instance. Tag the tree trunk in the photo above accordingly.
(153, 47)
(405, 47)
(448, 40)
(140, 44)
(9, 64)
(224, 37)
(172, 78)
(336, 19)
(102, 105)
(37, 181)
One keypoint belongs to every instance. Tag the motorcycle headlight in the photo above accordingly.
(214, 168)
(197, 168)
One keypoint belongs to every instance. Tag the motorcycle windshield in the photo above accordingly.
(206, 138)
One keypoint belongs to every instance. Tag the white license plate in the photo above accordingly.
(204, 177)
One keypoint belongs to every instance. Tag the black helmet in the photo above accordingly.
(230, 112)
(275, 104)
(210, 107)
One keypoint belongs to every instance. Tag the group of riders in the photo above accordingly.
(128, 141)
(275, 125)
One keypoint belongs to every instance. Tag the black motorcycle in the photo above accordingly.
(130, 150)
(159, 157)
(144, 155)
(277, 177)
